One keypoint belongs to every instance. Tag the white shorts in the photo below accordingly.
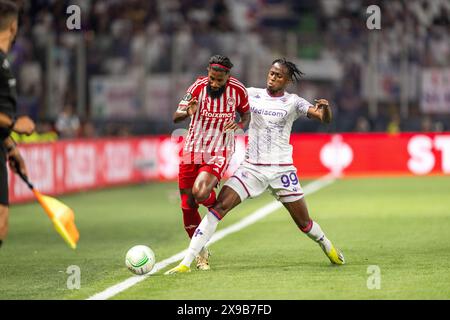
(250, 181)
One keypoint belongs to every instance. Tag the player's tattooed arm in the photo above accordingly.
(186, 108)
(321, 111)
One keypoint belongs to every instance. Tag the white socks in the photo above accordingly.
(208, 226)
(201, 236)
(316, 234)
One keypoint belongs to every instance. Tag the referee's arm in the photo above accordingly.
(21, 125)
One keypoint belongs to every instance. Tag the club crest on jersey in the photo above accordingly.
(231, 102)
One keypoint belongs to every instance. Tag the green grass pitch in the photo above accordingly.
(400, 225)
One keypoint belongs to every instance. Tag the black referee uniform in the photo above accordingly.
(8, 106)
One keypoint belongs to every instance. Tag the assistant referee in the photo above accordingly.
(9, 17)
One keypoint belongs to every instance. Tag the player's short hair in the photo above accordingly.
(220, 63)
(293, 71)
(8, 11)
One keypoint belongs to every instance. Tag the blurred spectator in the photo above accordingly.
(67, 123)
(426, 124)
(88, 130)
(362, 124)
(124, 131)
(172, 37)
(393, 126)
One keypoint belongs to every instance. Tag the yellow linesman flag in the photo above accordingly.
(62, 217)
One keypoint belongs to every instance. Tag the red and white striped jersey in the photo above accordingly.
(206, 136)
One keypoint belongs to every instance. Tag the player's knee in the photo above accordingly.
(200, 194)
(222, 207)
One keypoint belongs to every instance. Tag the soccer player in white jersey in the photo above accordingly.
(268, 162)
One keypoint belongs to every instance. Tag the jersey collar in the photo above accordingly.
(272, 96)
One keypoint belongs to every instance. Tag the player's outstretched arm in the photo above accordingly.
(321, 111)
(184, 111)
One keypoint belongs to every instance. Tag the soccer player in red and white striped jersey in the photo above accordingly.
(211, 102)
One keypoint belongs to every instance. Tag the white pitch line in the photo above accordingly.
(245, 222)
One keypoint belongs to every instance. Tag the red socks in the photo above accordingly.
(191, 216)
(191, 220)
(210, 201)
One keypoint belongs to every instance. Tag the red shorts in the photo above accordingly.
(189, 172)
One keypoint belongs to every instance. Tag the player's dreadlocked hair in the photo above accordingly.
(8, 9)
(293, 71)
(220, 63)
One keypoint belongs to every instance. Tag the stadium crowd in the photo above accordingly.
(128, 37)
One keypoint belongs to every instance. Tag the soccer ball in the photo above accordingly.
(140, 259)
